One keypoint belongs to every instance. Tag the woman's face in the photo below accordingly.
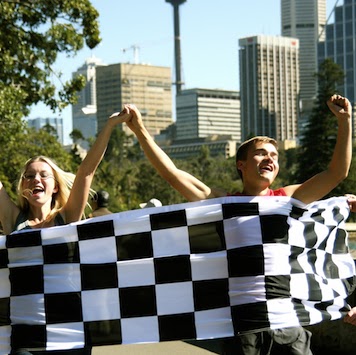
(38, 183)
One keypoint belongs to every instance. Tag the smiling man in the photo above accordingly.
(257, 165)
(256, 162)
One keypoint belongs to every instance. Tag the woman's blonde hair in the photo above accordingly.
(64, 182)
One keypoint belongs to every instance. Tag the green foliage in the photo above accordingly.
(319, 138)
(32, 34)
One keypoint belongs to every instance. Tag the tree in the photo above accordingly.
(33, 33)
(319, 138)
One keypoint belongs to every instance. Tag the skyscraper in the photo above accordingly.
(339, 45)
(148, 87)
(205, 112)
(84, 111)
(269, 87)
(305, 20)
(55, 122)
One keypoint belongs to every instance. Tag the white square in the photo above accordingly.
(247, 289)
(60, 278)
(132, 225)
(242, 232)
(65, 336)
(296, 235)
(140, 330)
(175, 298)
(5, 288)
(101, 305)
(276, 259)
(299, 287)
(28, 309)
(204, 214)
(209, 266)
(139, 272)
(214, 323)
(171, 241)
(59, 234)
(98, 250)
(5, 334)
(3, 239)
(25, 256)
(281, 313)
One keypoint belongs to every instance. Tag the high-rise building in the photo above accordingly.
(84, 111)
(339, 45)
(205, 112)
(269, 87)
(55, 122)
(305, 20)
(148, 87)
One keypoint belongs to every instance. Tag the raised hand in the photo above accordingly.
(340, 106)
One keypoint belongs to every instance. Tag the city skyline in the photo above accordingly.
(209, 39)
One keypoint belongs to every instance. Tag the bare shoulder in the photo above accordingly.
(291, 189)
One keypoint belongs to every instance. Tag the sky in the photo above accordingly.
(209, 32)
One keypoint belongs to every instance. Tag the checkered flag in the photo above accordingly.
(200, 270)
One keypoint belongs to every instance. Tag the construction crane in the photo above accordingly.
(135, 49)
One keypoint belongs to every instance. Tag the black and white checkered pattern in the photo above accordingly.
(199, 270)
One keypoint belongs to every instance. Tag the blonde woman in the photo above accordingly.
(49, 196)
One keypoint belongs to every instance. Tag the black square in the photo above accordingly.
(274, 229)
(309, 234)
(63, 307)
(98, 276)
(293, 260)
(173, 269)
(104, 332)
(5, 311)
(231, 210)
(138, 301)
(25, 239)
(4, 258)
(28, 336)
(26, 280)
(210, 294)
(95, 230)
(61, 253)
(250, 316)
(340, 247)
(134, 246)
(277, 286)
(168, 220)
(177, 327)
(315, 294)
(207, 237)
(246, 261)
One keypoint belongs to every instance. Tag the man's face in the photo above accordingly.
(261, 163)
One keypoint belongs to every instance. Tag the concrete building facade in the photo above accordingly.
(55, 122)
(269, 86)
(148, 87)
(84, 111)
(305, 20)
(203, 113)
(340, 46)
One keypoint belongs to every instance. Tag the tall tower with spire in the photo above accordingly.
(177, 52)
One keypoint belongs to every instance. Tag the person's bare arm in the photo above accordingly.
(8, 211)
(321, 184)
(186, 184)
(78, 197)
